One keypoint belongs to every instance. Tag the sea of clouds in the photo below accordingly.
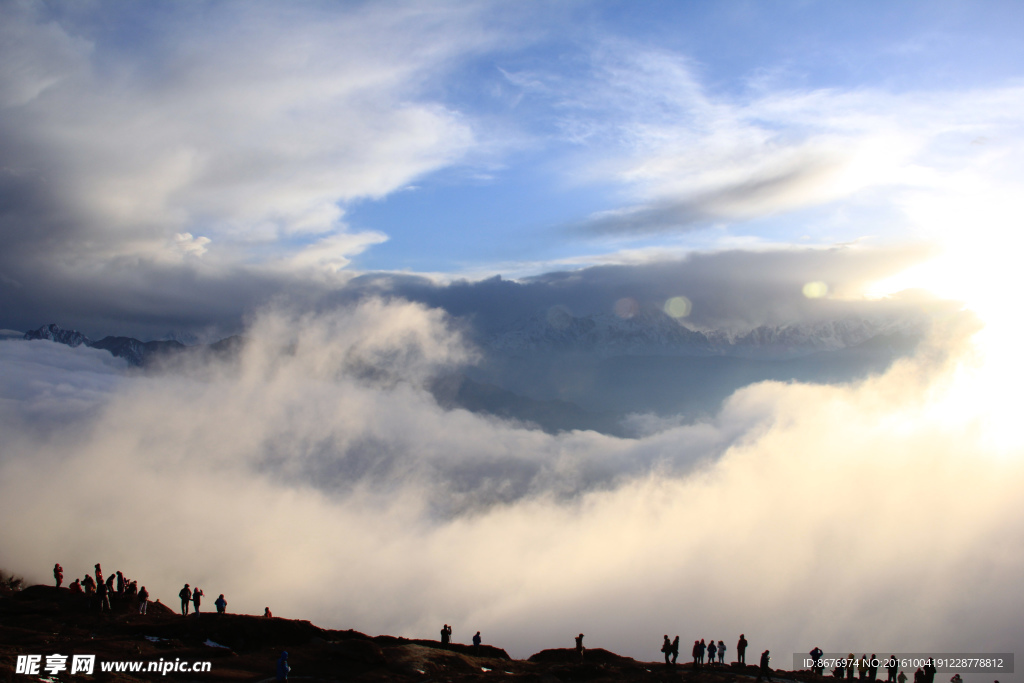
(315, 474)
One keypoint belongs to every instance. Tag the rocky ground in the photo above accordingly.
(43, 620)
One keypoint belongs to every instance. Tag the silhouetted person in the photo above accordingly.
(103, 596)
(282, 666)
(186, 596)
(99, 574)
(712, 652)
(838, 671)
(58, 574)
(89, 584)
(901, 678)
(919, 676)
(675, 650)
(892, 667)
(765, 671)
(721, 652)
(266, 612)
(197, 597)
(143, 599)
(476, 643)
(816, 655)
(703, 648)
(221, 604)
(666, 647)
(579, 648)
(862, 667)
(75, 586)
(741, 650)
(446, 635)
(873, 667)
(851, 662)
(929, 671)
(696, 654)
(120, 583)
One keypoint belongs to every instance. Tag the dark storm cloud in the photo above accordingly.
(730, 289)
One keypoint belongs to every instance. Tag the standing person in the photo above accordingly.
(721, 652)
(143, 599)
(197, 596)
(816, 655)
(89, 584)
(741, 650)
(476, 643)
(186, 596)
(765, 670)
(666, 647)
(444, 635)
(892, 667)
(702, 647)
(696, 654)
(579, 648)
(120, 583)
(282, 666)
(712, 651)
(58, 574)
(266, 613)
(851, 662)
(99, 574)
(873, 667)
(675, 650)
(929, 671)
(102, 592)
(902, 677)
(221, 604)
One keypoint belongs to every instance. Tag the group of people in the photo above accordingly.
(104, 595)
(195, 596)
(446, 636)
(712, 650)
(702, 648)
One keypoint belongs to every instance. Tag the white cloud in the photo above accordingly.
(247, 137)
(846, 516)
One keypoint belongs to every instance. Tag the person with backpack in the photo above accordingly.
(221, 604)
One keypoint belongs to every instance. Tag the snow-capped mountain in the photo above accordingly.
(653, 333)
(134, 351)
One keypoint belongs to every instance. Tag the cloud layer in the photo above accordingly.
(316, 475)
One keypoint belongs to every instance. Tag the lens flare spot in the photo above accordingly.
(815, 290)
(626, 308)
(678, 307)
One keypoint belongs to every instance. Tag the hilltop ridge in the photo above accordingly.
(43, 620)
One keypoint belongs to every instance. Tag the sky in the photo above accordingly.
(344, 182)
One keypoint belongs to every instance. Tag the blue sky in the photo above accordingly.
(234, 151)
